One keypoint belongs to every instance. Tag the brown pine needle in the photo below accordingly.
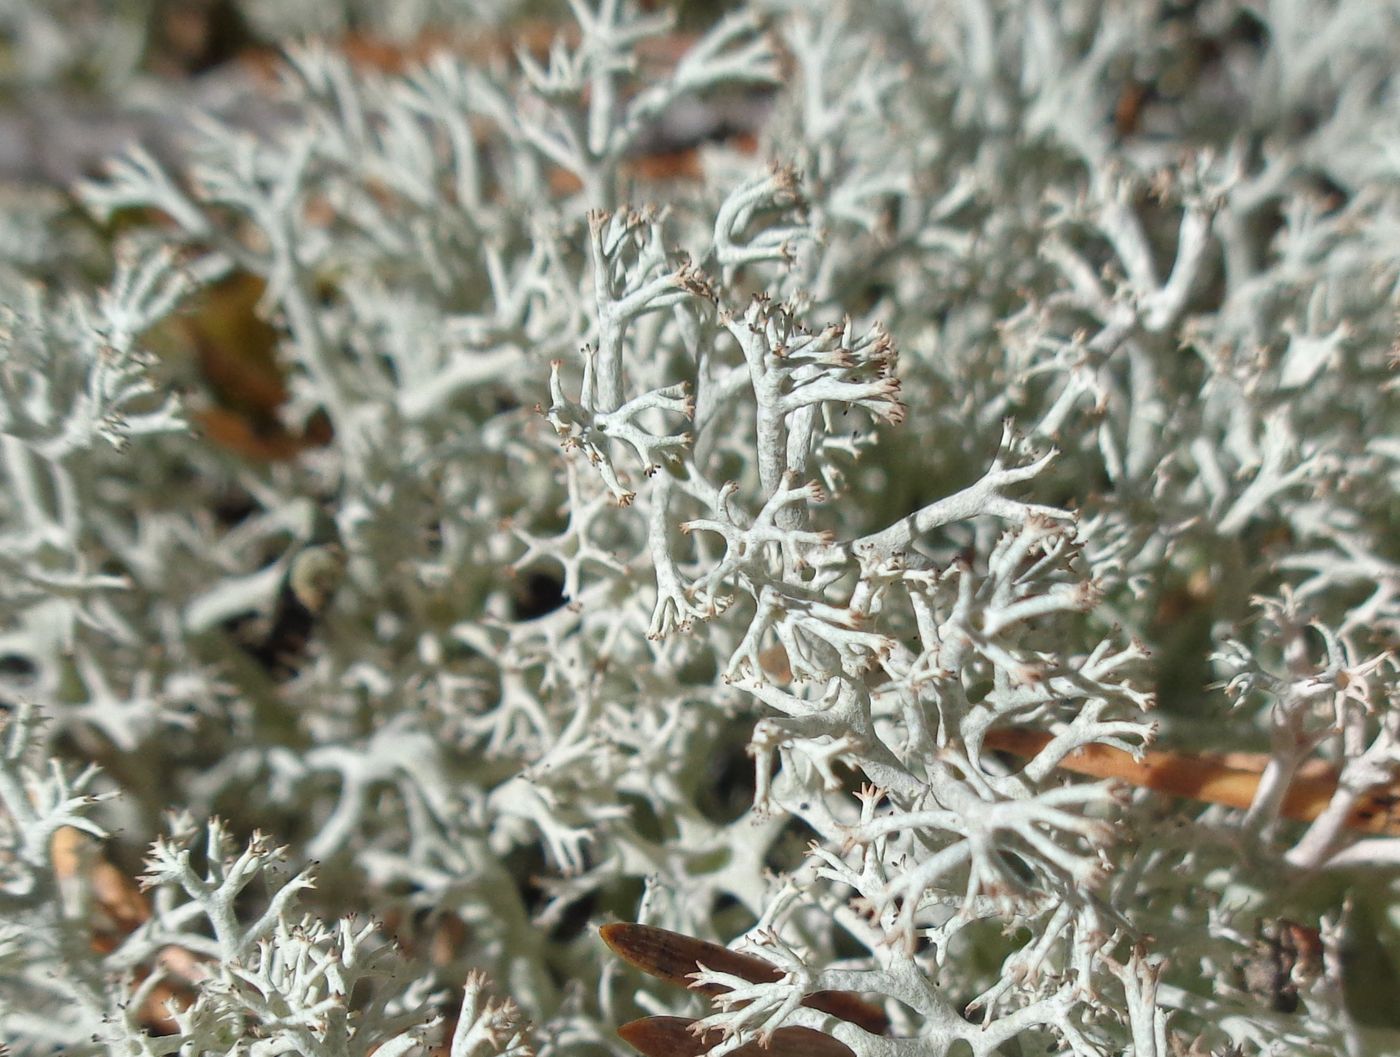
(1232, 781)
(673, 956)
